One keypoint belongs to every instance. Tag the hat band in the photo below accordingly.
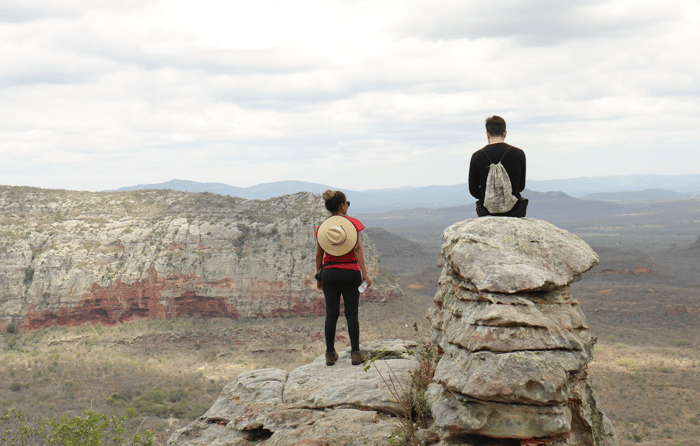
(336, 235)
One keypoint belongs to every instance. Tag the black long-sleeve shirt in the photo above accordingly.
(513, 161)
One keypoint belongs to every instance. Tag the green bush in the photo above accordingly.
(120, 399)
(176, 395)
(12, 328)
(28, 275)
(16, 429)
(16, 387)
(91, 429)
(628, 363)
(185, 410)
(156, 396)
(151, 408)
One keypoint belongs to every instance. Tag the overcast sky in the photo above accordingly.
(100, 94)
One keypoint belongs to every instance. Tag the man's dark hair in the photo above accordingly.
(495, 125)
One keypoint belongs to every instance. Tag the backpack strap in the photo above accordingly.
(504, 154)
(489, 158)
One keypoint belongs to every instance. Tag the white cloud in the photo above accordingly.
(98, 95)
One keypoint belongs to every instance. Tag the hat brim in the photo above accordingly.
(340, 249)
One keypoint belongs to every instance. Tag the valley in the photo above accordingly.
(641, 301)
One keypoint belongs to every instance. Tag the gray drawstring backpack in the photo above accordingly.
(499, 197)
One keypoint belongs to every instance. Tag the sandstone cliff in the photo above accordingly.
(71, 257)
(516, 346)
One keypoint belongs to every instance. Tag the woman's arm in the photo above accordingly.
(361, 261)
(319, 261)
(319, 256)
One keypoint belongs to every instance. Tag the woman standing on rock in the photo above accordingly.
(339, 253)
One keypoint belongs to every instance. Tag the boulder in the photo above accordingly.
(459, 415)
(509, 255)
(245, 402)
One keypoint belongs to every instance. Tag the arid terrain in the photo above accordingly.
(642, 302)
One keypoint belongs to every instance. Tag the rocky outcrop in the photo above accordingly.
(515, 349)
(516, 343)
(313, 405)
(71, 257)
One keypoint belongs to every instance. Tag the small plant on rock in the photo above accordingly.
(415, 411)
(406, 434)
(428, 356)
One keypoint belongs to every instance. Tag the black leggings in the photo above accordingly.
(336, 282)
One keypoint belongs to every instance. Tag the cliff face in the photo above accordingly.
(71, 257)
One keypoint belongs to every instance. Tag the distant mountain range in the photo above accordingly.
(642, 195)
(580, 187)
(613, 188)
(375, 200)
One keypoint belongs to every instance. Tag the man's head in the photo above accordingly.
(496, 126)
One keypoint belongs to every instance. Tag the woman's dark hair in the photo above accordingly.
(333, 199)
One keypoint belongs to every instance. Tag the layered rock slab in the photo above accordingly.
(516, 343)
(515, 254)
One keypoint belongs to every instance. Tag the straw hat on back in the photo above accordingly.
(337, 236)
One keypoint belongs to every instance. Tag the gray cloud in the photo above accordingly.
(21, 11)
(543, 22)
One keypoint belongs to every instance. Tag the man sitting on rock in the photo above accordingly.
(497, 174)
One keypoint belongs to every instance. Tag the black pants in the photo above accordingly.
(337, 282)
(519, 209)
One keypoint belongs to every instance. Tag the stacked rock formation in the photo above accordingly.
(516, 343)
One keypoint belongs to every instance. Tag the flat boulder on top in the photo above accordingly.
(511, 255)
(317, 386)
